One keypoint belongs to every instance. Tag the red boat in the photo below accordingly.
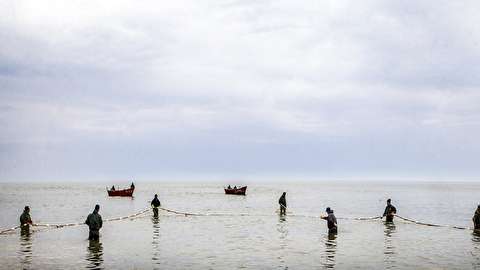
(236, 191)
(128, 192)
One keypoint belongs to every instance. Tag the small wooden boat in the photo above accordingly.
(236, 191)
(128, 192)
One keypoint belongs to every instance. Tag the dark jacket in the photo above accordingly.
(476, 220)
(389, 210)
(331, 221)
(25, 218)
(282, 201)
(94, 221)
(155, 202)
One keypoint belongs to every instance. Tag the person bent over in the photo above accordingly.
(94, 222)
(331, 221)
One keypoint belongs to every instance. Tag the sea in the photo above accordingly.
(243, 232)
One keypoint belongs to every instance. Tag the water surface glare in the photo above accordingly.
(251, 235)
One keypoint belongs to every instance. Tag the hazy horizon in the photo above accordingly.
(239, 90)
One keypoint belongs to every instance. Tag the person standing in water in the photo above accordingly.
(283, 204)
(331, 221)
(94, 222)
(476, 219)
(390, 211)
(155, 204)
(25, 220)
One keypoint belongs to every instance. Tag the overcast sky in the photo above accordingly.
(246, 90)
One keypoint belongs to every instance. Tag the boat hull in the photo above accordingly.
(237, 191)
(121, 193)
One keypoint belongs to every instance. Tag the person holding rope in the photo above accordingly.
(390, 211)
(331, 221)
(94, 222)
(283, 204)
(476, 220)
(25, 220)
(155, 204)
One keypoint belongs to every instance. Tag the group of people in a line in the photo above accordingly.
(388, 214)
(94, 219)
(95, 222)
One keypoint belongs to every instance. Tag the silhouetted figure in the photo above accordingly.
(476, 219)
(390, 211)
(25, 220)
(94, 222)
(235, 187)
(283, 204)
(132, 186)
(113, 188)
(229, 187)
(331, 221)
(155, 204)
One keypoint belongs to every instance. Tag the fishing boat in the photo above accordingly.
(236, 191)
(128, 192)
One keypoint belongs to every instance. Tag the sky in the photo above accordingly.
(242, 90)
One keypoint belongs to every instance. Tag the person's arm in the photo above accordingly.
(394, 210)
(101, 221)
(87, 221)
(385, 212)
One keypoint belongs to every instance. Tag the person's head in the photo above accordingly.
(97, 207)
(156, 195)
(26, 209)
(328, 210)
(284, 193)
(389, 201)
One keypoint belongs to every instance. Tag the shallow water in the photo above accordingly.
(250, 235)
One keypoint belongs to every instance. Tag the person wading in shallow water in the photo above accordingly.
(94, 222)
(390, 211)
(331, 221)
(25, 220)
(283, 204)
(155, 204)
(476, 220)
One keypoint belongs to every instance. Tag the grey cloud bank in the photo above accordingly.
(246, 89)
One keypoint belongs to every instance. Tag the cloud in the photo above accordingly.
(255, 81)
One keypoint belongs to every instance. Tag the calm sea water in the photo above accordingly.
(252, 236)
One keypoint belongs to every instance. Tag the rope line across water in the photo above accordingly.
(50, 225)
(140, 214)
(433, 225)
(346, 218)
